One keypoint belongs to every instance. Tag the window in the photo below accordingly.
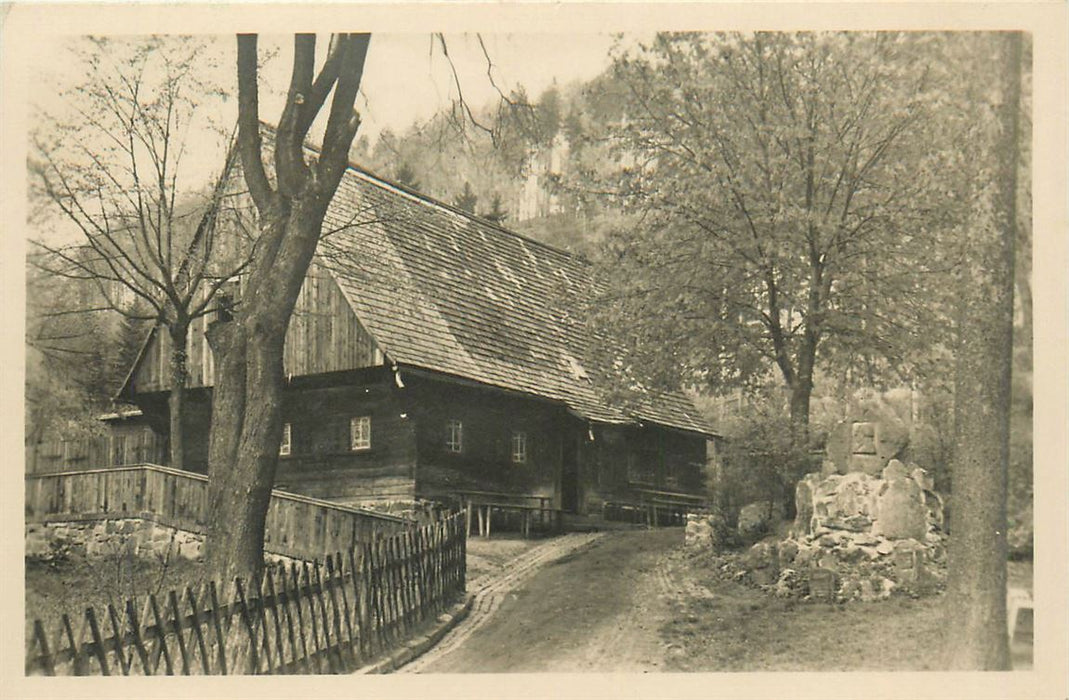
(360, 433)
(454, 436)
(519, 447)
(286, 447)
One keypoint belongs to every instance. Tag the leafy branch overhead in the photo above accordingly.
(791, 198)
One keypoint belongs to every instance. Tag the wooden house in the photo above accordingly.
(432, 356)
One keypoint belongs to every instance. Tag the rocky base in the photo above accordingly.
(126, 536)
(136, 537)
(856, 537)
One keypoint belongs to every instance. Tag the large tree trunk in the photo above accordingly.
(976, 621)
(246, 407)
(176, 402)
(246, 403)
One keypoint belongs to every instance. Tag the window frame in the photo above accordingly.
(454, 436)
(285, 445)
(518, 447)
(364, 432)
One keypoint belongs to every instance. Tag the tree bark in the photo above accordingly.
(976, 586)
(246, 401)
(176, 402)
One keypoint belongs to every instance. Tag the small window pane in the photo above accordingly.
(454, 436)
(286, 446)
(519, 447)
(360, 433)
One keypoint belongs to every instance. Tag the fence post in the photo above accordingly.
(76, 651)
(218, 627)
(275, 603)
(250, 628)
(135, 630)
(45, 659)
(205, 659)
(161, 636)
(172, 598)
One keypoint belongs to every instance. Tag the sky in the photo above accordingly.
(406, 79)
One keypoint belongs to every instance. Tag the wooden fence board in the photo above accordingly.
(296, 526)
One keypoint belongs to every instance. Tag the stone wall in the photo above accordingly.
(139, 537)
(136, 536)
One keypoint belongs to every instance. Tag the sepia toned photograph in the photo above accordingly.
(515, 348)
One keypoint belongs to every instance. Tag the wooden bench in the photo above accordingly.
(484, 503)
(652, 503)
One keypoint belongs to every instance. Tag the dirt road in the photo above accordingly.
(590, 604)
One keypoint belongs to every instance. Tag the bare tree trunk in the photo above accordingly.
(246, 403)
(801, 392)
(179, 334)
(246, 409)
(976, 621)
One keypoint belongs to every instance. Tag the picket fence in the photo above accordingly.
(308, 618)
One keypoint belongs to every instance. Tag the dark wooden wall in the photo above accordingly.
(321, 463)
(489, 418)
(409, 458)
(623, 458)
(324, 335)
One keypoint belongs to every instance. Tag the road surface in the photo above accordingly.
(577, 603)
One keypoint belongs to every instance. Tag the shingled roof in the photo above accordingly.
(445, 291)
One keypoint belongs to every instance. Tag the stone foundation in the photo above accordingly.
(130, 536)
(137, 537)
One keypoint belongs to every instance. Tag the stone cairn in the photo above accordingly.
(868, 524)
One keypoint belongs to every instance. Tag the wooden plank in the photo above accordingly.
(378, 597)
(98, 642)
(161, 635)
(388, 586)
(270, 582)
(218, 628)
(75, 649)
(333, 664)
(135, 632)
(176, 615)
(250, 628)
(205, 659)
(359, 579)
(118, 636)
(337, 589)
(296, 597)
(309, 596)
(44, 660)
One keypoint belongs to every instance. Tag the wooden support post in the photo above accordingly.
(489, 515)
(467, 519)
(482, 527)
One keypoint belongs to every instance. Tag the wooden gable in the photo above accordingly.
(324, 335)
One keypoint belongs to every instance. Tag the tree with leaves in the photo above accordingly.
(467, 199)
(783, 193)
(248, 344)
(496, 213)
(77, 354)
(407, 176)
(111, 166)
